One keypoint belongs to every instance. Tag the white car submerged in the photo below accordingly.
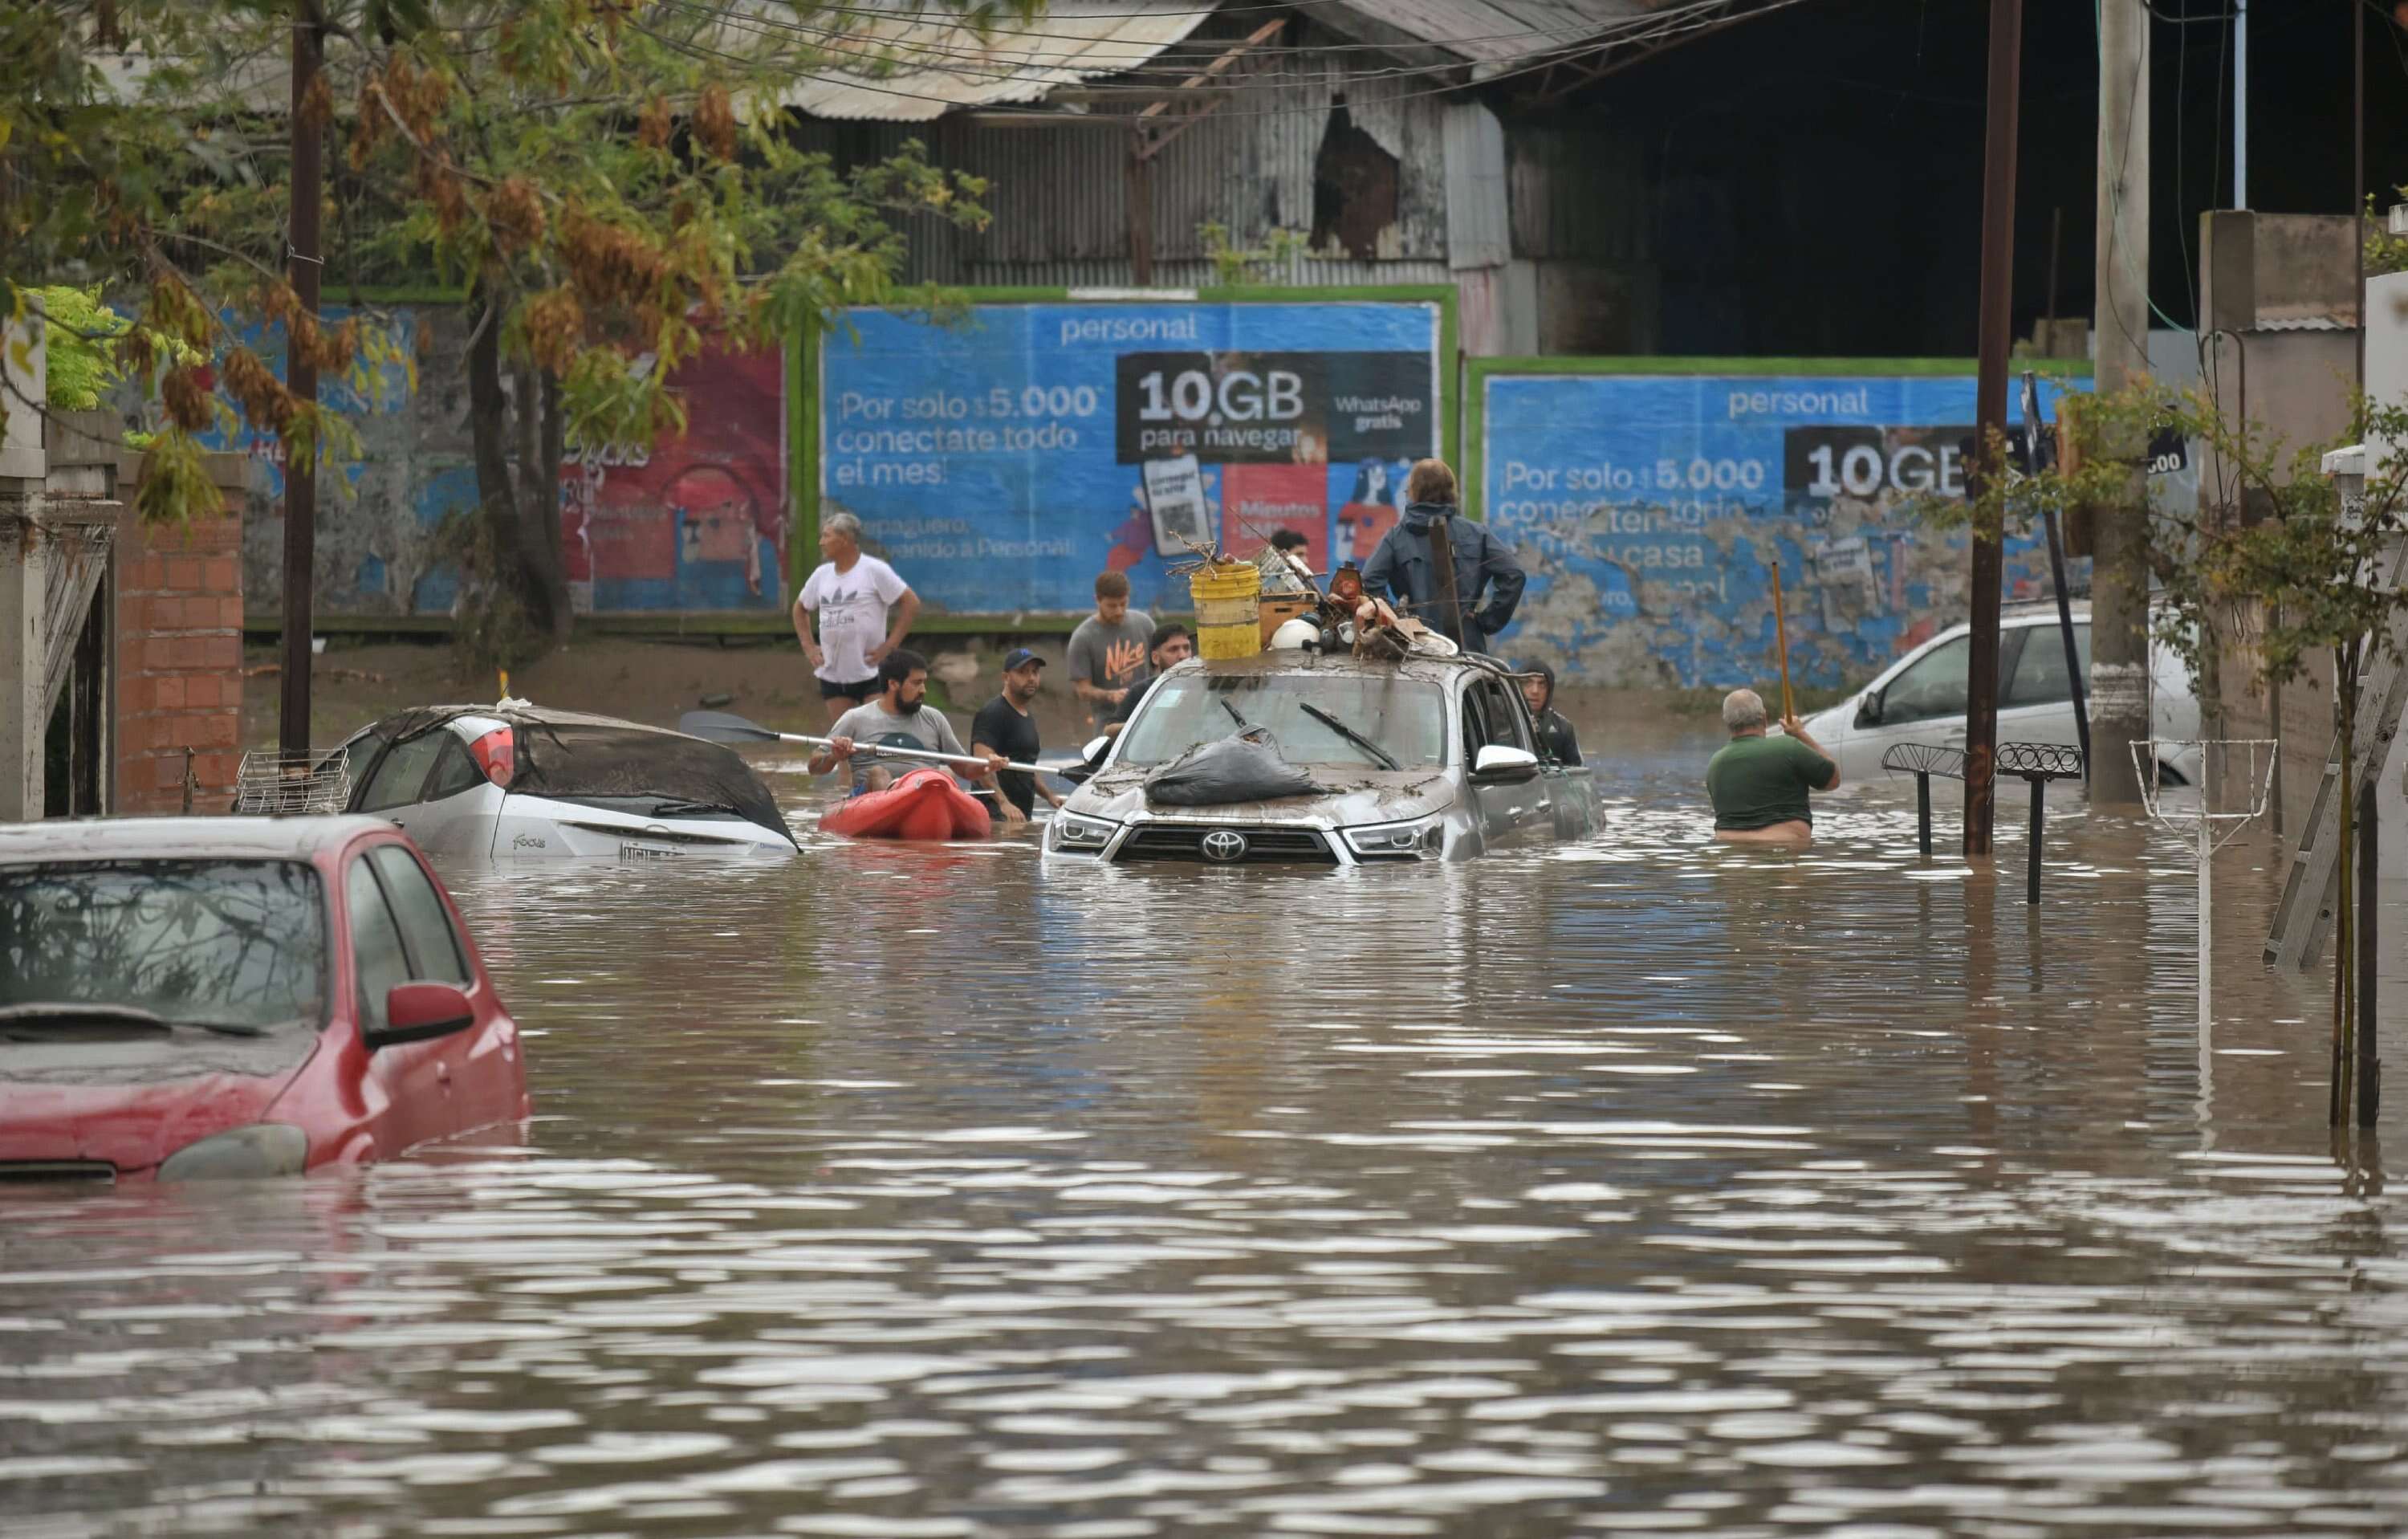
(514, 781)
(1921, 697)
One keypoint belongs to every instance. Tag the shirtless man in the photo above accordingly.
(1759, 784)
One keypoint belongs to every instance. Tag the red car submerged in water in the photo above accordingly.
(189, 997)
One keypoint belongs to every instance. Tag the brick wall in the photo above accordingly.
(178, 662)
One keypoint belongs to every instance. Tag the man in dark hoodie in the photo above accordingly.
(1557, 740)
(1404, 565)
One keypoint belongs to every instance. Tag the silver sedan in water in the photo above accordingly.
(1428, 758)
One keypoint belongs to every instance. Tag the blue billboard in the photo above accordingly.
(1650, 507)
(1001, 459)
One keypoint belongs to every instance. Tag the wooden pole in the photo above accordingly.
(1780, 637)
(1449, 602)
(1986, 579)
(301, 377)
(2369, 1076)
(2119, 572)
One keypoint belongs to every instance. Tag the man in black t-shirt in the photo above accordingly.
(1005, 726)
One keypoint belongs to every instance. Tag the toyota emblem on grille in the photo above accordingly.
(1225, 846)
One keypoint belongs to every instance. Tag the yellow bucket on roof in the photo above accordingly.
(1229, 609)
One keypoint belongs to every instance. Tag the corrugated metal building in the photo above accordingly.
(1403, 142)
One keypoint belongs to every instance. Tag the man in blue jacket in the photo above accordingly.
(1405, 566)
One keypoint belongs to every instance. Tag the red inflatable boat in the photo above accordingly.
(923, 804)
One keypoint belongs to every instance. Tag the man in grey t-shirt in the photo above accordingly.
(900, 709)
(1106, 654)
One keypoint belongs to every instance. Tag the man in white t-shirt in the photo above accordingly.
(849, 595)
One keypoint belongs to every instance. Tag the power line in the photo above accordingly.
(1696, 16)
(1142, 55)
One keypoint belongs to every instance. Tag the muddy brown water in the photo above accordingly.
(1640, 1187)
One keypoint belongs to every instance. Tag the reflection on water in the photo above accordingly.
(1640, 1186)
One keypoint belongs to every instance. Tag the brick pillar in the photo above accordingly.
(179, 656)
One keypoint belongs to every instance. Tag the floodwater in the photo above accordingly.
(1644, 1186)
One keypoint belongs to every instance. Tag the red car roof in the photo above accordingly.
(180, 838)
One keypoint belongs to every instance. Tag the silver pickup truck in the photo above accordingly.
(1426, 759)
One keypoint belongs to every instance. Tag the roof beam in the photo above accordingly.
(1589, 66)
(1150, 144)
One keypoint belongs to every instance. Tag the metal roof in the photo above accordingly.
(913, 69)
(1497, 32)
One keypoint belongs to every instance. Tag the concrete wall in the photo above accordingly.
(2279, 302)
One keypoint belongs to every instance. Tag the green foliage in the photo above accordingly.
(2384, 252)
(1234, 265)
(613, 177)
(175, 483)
(2308, 561)
(78, 329)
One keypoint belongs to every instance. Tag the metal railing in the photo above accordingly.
(2035, 763)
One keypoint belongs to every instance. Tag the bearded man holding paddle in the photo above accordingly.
(899, 716)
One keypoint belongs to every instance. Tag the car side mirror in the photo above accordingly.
(417, 1011)
(1499, 765)
(1869, 710)
(1094, 748)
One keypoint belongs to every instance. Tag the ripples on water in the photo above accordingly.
(1643, 1187)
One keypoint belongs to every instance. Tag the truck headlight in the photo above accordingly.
(261, 1149)
(1088, 834)
(1411, 840)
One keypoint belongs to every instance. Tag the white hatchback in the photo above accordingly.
(511, 780)
(1921, 697)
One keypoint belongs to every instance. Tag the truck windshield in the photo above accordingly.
(221, 942)
(1406, 717)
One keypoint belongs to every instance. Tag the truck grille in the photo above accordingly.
(1264, 846)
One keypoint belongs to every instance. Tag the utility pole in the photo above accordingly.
(2241, 100)
(2119, 579)
(301, 377)
(1990, 412)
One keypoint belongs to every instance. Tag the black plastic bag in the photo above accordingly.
(1245, 767)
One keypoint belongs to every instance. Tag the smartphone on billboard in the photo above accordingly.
(1174, 495)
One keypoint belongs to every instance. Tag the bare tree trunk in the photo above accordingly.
(536, 531)
(2344, 1046)
(488, 418)
(555, 449)
(516, 449)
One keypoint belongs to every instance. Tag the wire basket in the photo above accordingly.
(272, 784)
(2148, 759)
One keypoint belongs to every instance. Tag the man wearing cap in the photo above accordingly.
(1004, 726)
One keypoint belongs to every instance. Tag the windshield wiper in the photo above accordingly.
(1388, 760)
(83, 1013)
(674, 808)
(1230, 706)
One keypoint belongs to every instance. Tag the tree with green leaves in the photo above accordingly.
(608, 182)
(2313, 573)
(2275, 565)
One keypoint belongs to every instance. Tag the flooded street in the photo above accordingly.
(1640, 1187)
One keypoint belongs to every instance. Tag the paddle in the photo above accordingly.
(1780, 632)
(719, 727)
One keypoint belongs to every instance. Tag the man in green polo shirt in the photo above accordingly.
(1759, 784)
